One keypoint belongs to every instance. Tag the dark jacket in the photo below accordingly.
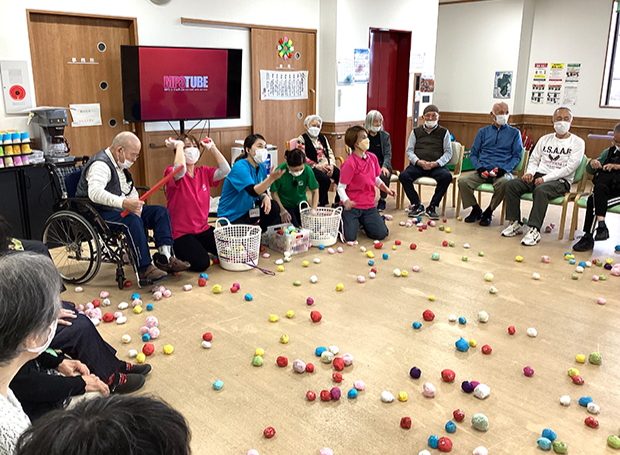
(40, 389)
(386, 149)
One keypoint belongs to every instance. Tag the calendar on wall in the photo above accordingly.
(283, 85)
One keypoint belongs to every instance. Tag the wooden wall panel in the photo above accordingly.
(464, 127)
(156, 156)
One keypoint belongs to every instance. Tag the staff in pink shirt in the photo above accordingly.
(359, 175)
(188, 195)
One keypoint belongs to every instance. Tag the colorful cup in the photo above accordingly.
(8, 161)
(17, 161)
(24, 137)
(26, 148)
(15, 137)
(8, 149)
(25, 160)
(6, 138)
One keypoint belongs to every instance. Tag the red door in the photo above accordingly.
(388, 87)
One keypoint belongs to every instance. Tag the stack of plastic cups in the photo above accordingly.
(24, 137)
(1, 155)
(15, 137)
(6, 138)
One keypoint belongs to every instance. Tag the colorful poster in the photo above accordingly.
(427, 84)
(556, 72)
(283, 85)
(540, 72)
(554, 92)
(538, 94)
(346, 71)
(573, 73)
(502, 86)
(361, 61)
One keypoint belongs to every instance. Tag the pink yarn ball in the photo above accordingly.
(237, 285)
(431, 223)
(252, 452)
(144, 330)
(416, 268)
(546, 259)
(90, 306)
(595, 278)
(187, 287)
(157, 295)
(96, 313)
(299, 366)
(429, 390)
(528, 371)
(326, 451)
(136, 302)
(266, 255)
(615, 271)
(361, 279)
(80, 308)
(348, 359)
(151, 321)
(154, 333)
(359, 385)
(340, 250)
(117, 315)
(167, 293)
(330, 251)
(104, 294)
(159, 288)
(402, 223)
(601, 301)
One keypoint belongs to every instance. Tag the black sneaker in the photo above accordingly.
(475, 215)
(486, 218)
(416, 210)
(381, 205)
(602, 233)
(134, 382)
(142, 369)
(431, 213)
(586, 243)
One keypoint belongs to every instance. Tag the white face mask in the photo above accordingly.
(314, 131)
(561, 127)
(430, 123)
(47, 343)
(501, 120)
(296, 174)
(375, 129)
(125, 164)
(192, 154)
(261, 155)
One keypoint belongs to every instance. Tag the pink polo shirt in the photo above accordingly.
(189, 200)
(360, 175)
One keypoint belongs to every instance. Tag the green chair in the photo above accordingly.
(488, 187)
(581, 177)
(581, 202)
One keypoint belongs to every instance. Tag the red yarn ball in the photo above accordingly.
(405, 423)
(309, 368)
(202, 282)
(428, 315)
(127, 284)
(486, 349)
(108, 317)
(458, 415)
(413, 246)
(282, 361)
(448, 375)
(207, 336)
(326, 395)
(338, 364)
(444, 445)
(512, 330)
(148, 349)
(269, 432)
(310, 395)
(337, 377)
(96, 303)
(315, 316)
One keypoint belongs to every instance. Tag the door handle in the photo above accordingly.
(312, 90)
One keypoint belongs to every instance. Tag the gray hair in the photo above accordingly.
(29, 300)
(371, 117)
(563, 108)
(310, 118)
(125, 139)
(617, 128)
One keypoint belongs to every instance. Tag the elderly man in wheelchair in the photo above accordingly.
(106, 182)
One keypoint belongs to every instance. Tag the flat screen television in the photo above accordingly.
(173, 83)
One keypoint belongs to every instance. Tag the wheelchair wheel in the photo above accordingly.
(74, 246)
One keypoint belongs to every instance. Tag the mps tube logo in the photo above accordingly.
(186, 83)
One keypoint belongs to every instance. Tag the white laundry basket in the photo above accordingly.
(238, 245)
(324, 226)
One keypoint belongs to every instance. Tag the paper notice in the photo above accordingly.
(85, 114)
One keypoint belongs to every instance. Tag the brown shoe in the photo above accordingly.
(153, 273)
(171, 265)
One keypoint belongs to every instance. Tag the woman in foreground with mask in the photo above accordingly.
(359, 177)
(381, 147)
(189, 196)
(29, 308)
(320, 158)
(244, 198)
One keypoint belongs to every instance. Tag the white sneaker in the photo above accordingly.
(513, 229)
(531, 238)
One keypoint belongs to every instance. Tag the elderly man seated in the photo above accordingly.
(107, 182)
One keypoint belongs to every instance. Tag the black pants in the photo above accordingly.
(325, 182)
(81, 341)
(195, 249)
(606, 194)
(295, 215)
(440, 174)
(385, 179)
(264, 220)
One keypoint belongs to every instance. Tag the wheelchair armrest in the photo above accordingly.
(86, 204)
(142, 188)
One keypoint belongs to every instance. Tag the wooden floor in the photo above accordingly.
(373, 322)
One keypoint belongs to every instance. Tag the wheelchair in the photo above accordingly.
(79, 239)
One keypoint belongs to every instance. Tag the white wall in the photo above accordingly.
(470, 37)
(327, 60)
(161, 25)
(474, 40)
(355, 18)
(573, 31)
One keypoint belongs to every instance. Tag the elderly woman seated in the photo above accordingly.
(320, 158)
